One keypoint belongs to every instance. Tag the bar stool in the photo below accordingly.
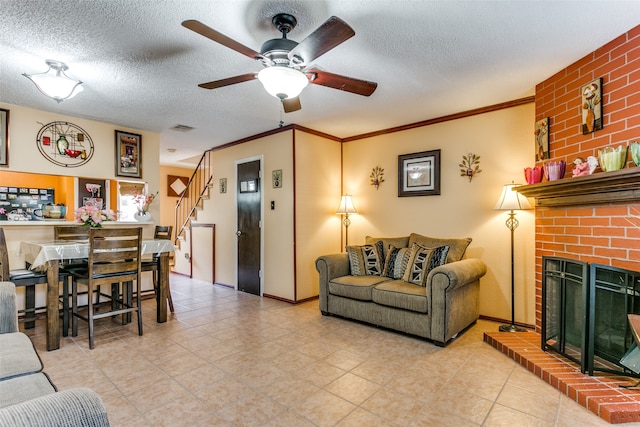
(114, 259)
(164, 233)
(27, 278)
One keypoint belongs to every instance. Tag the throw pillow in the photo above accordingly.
(365, 260)
(457, 246)
(395, 264)
(421, 261)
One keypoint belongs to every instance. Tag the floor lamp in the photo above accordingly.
(511, 200)
(346, 208)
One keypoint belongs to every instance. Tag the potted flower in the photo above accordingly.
(143, 201)
(91, 216)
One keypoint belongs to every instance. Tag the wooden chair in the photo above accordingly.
(27, 278)
(70, 232)
(161, 232)
(114, 259)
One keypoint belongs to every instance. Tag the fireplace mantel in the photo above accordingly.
(603, 187)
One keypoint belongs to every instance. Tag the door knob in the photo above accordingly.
(238, 233)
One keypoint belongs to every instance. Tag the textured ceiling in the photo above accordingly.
(141, 68)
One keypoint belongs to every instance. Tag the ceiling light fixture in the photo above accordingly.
(54, 83)
(283, 82)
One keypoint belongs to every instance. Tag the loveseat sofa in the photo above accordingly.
(415, 284)
(27, 396)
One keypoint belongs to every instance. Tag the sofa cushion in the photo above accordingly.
(395, 264)
(355, 287)
(398, 242)
(400, 294)
(421, 261)
(457, 247)
(17, 355)
(366, 260)
(20, 389)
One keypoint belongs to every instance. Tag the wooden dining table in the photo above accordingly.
(49, 255)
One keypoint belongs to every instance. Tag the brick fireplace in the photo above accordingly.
(593, 219)
(604, 232)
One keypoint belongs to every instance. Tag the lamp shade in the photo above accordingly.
(54, 83)
(283, 82)
(346, 206)
(511, 200)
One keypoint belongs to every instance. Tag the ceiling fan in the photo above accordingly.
(287, 71)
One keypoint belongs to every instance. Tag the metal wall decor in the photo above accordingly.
(377, 176)
(470, 166)
(64, 144)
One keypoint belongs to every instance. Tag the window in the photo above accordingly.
(127, 192)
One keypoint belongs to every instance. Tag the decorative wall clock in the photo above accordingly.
(65, 144)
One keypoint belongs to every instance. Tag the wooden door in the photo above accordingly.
(248, 232)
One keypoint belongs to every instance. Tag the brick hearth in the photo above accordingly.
(601, 393)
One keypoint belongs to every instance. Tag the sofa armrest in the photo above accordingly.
(73, 407)
(453, 291)
(329, 267)
(8, 309)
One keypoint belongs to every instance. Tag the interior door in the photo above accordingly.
(248, 232)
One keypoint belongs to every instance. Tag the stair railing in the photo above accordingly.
(193, 195)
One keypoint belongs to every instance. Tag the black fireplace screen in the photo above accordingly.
(614, 293)
(564, 302)
(584, 312)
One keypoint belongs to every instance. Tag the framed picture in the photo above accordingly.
(591, 106)
(419, 174)
(223, 185)
(542, 139)
(128, 154)
(4, 137)
(176, 185)
(276, 178)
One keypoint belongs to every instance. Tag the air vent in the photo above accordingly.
(182, 128)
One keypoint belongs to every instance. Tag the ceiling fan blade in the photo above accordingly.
(336, 81)
(329, 35)
(218, 37)
(229, 81)
(291, 104)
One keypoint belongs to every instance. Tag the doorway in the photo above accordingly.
(249, 202)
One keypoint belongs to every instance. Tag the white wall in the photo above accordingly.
(24, 124)
(504, 141)
(220, 209)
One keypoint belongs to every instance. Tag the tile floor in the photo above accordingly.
(232, 359)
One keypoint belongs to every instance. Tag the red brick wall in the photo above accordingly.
(604, 233)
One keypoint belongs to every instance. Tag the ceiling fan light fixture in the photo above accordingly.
(283, 82)
(54, 83)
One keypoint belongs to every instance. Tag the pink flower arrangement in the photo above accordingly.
(144, 200)
(91, 216)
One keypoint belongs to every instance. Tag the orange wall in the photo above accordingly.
(605, 233)
(62, 186)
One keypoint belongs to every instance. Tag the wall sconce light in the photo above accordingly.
(346, 208)
(54, 83)
(511, 200)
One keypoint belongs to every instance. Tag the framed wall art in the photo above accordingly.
(541, 131)
(276, 178)
(591, 106)
(128, 154)
(419, 174)
(223, 185)
(176, 185)
(4, 137)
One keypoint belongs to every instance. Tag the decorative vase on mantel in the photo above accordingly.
(142, 216)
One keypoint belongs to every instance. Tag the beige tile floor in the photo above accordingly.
(232, 359)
